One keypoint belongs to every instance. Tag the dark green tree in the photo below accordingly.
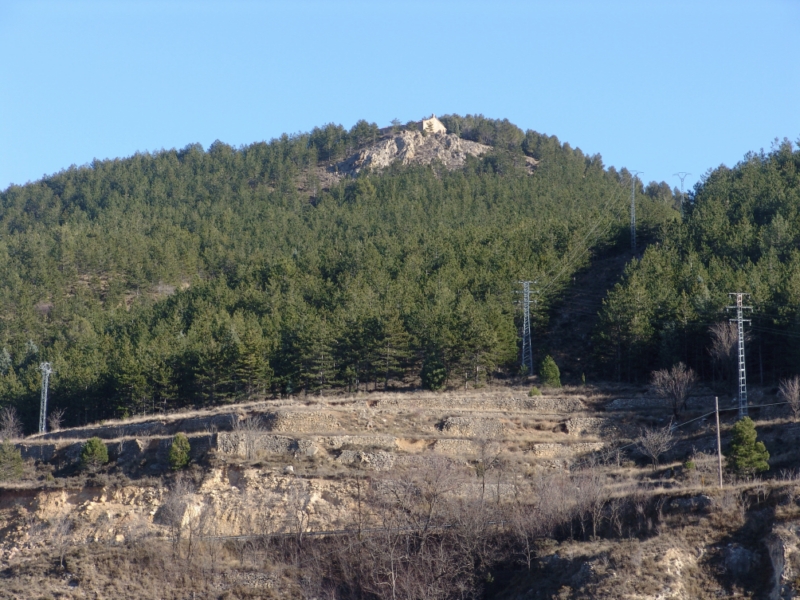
(179, 452)
(747, 456)
(549, 372)
(94, 455)
(11, 465)
(434, 374)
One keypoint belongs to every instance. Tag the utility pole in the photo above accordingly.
(527, 351)
(46, 370)
(682, 175)
(740, 308)
(719, 441)
(633, 210)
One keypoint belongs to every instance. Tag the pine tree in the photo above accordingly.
(179, 452)
(549, 372)
(94, 454)
(10, 462)
(747, 456)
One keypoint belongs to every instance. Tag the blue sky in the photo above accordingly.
(658, 87)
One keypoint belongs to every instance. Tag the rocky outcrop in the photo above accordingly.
(783, 551)
(412, 147)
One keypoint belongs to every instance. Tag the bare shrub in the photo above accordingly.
(653, 442)
(538, 509)
(247, 432)
(617, 507)
(675, 385)
(789, 390)
(10, 425)
(428, 540)
(173, 509)
(724, 346)
(488, 453)
(731, 507)
(724, 341)
(590, 497)
(55, 419)
(59, 535)
(298, 513)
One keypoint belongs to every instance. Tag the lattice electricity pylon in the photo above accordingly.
(46, 370)
(740, 321)
(682, 175)
(527, 350)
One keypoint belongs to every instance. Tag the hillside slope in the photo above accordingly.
(196, 277)
(512, 496)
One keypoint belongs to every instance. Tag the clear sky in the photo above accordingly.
(654, 86)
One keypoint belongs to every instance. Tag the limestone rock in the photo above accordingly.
(412, 147)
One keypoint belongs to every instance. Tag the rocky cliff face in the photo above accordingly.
(408, 148)
(412, 147)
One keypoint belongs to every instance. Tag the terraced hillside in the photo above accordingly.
(276, 474)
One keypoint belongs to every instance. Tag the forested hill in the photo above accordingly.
(189, 277)
(741, 234)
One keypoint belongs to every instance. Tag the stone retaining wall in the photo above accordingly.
(473, 427)
(305, 421)
(489, 402)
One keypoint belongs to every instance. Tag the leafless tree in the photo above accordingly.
(429, 534)
(724, 346)
(59, 535)
(173, 509)
(616, 510)
(247, 432)
(653, 442)
(10, 425)
(590, 496)
(789, 390)
(724, 341)
(488, 453)
(55, 418)
(298, 514)
(675, 385)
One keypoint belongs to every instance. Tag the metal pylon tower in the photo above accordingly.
(527, 351)
(633, 210)
(682, 175)
(740, 321)
(46, 370)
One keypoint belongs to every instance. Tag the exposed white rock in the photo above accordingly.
(412, 147)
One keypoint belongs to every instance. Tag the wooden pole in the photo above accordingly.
(719, 441)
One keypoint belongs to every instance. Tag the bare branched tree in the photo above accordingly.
(724, 341)
(724, 346)
(653, 442)
(55, 419)
(675, 385)
(10, 425)
(487, 456)
(247, 433)
(590, 497)
(789, 390)
(173, 509)
(59, 536)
